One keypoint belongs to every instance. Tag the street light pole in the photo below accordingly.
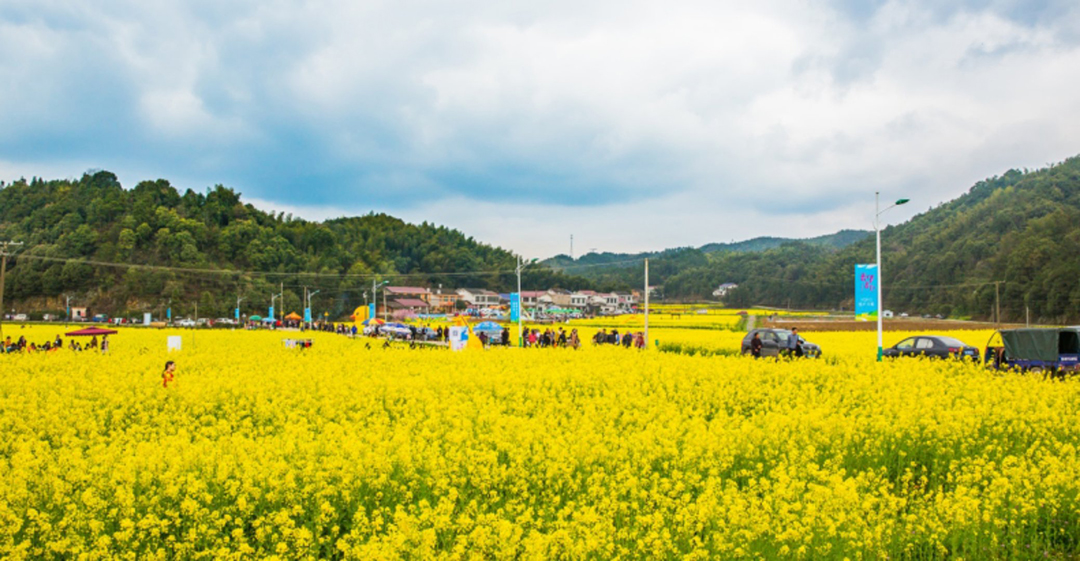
(646, 304)
(877, 232)
(309, 299)
(374, 296)
(877, 236)
(521, 337)
(521, 301)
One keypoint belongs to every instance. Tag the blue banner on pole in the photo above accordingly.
(307, 315)
(515, 306)
(371, 310)
(168, 313)
(237, 311)
(866, 286)
(271, 312)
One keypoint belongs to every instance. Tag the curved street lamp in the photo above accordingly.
(877, 230)
(521, 301)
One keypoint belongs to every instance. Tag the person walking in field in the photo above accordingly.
(168, 374)
(794, 344)
(755, 346)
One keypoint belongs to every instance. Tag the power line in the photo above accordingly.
(239, 272)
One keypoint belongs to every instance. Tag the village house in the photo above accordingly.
(561, 298)
(723, 289)
(443, 301)
(530, 298)
(479, 297)
(417, 292)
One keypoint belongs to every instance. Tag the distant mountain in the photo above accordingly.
(839, 240)
(1021, 230)
(623, 270)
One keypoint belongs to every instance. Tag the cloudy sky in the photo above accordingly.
(631, 125)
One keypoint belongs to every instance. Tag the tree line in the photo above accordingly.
(1021, 228)
(73, 228)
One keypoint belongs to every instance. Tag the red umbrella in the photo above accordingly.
(91, 331)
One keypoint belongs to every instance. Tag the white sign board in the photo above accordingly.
(146, 319)
(174, 342)
(459, 335)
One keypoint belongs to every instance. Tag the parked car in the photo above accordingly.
(774, 340)
(101, 318)
(1052, 350)
(184, 323)
(19, 317)
(934, 346)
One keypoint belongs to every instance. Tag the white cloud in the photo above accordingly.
(632, 124)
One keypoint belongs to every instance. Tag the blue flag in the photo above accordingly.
(515, 306)
(866, 286)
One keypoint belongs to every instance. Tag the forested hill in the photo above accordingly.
(72, 229)
(1022, 229)
(838, 240)
(613, 267)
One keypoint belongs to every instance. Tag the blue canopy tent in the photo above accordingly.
(396, 329)
(488, 327)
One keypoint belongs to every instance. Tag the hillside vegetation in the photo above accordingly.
(72, 229)
(1020, 229)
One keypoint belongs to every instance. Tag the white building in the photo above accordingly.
(479, 297)
(724, 289)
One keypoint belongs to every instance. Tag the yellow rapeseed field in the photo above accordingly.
(340, 450)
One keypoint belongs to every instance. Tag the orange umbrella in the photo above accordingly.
(294, 316)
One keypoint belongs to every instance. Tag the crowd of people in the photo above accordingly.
(627, 340)
(551, 338)
(23, 346)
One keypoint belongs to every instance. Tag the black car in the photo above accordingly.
(934, 346)
(775, 340)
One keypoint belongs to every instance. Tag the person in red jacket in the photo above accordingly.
(167, 375)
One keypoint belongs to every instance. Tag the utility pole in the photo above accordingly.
(997, 302)
(571, 247)
(3, 272)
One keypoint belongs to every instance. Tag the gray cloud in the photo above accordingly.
(617, 120)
